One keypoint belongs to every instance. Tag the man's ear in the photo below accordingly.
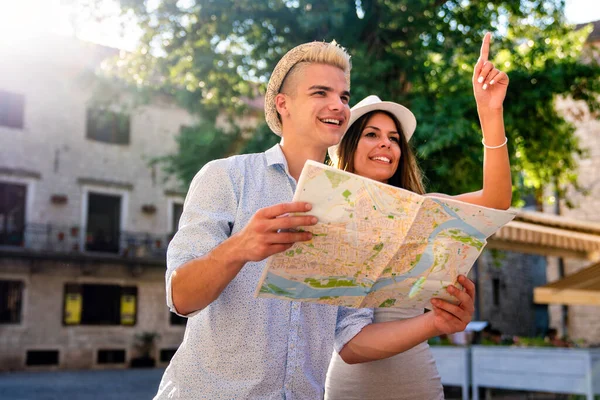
(281, 104)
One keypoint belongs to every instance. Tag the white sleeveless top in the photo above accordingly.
(411, 375)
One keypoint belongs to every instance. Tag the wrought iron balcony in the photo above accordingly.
(68, 240)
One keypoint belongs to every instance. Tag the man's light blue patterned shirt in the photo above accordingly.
(242, 347)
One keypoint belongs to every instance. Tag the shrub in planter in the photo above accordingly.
(144, 345)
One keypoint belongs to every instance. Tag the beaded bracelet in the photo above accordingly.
(495, 147)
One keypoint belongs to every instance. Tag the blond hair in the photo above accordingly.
(326, 53)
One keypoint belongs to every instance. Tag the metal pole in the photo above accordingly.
(477, 290)
(564, 310)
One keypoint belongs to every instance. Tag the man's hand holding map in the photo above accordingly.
(376, 245)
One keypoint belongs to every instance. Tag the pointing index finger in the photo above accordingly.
(485, 47)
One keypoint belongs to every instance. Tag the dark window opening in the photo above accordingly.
(12, 109)
(103, 223)
(107, 126)
(90, 304)
(177, 211)
(496, 291)
(166, 355)
(101, 305)
(111, 357)
(11, 299)
(177, 320)
(42, 357)
(12, 214)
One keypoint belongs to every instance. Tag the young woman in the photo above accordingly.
(376, 146)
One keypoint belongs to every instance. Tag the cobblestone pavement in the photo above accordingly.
(141, 384)
(130, 384)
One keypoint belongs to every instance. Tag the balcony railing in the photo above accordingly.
(56, 239)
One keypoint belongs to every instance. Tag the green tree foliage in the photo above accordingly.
(197, 145)
(204, 142)
(214, 54)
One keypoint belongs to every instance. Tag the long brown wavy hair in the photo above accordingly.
(408, 174)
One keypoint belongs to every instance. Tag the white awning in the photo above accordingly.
(549, 235)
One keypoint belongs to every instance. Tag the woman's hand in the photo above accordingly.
(489, 83)
(450, 318)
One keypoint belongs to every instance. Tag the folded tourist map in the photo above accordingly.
(377, 245)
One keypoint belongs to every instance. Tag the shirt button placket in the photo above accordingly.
(293, 360)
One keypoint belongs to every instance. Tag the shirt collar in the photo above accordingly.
(275, 156)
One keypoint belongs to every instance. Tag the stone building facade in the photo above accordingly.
(84, 218)
(582, 322)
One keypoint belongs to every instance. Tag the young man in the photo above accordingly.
(236, 214)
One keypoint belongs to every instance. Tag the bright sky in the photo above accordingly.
(20, 19)
(581, 11)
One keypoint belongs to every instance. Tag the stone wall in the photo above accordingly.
(42, 328)
(513, 311)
